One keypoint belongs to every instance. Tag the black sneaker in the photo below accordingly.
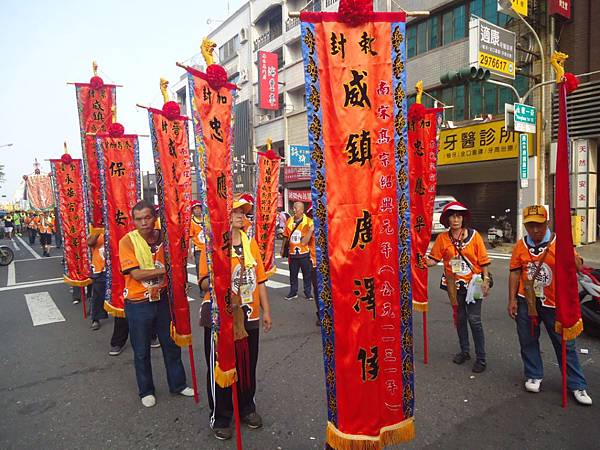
(461, 357)
(95, 325)
(253, 420)
(75, 301)
(154, 343)
(291, 296)
(222, 434)
(479, 366)
(116, 350)
(309, 298)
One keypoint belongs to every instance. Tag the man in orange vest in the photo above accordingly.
(298, 231)
(46, 228)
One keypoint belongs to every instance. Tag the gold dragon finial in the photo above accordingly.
(207, 48)
(65, 147)
(163, 89)
(269, 144)
(95, 68)
(419, 89)
(558, 64)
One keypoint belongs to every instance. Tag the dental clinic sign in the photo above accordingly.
(492, 47)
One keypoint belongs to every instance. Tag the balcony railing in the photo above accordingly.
(270, 35)
(291, 23)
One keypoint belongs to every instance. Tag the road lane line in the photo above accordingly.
(35, 259)
(11, 280)
(32, 284)
(26, 245)
(42, 309)
(14, 243)
(276, 284)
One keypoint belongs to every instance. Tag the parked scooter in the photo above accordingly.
(589, 298)
(6, 255)
(501, 230)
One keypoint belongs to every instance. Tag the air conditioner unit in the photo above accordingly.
(243, 35)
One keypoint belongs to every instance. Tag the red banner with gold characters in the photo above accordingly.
(267, 191)
(96, 103)
(422, 160)
(212, 113)
(174, 187)
(39, 191)
(120, 190)
(356, 102)
(72, 207)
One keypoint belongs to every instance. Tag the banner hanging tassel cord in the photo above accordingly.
(236, 414)
(425, 346)
(564, 372)
(83, 302)
(193, 369)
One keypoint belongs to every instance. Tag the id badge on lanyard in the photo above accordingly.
(246, 294)
(456, 265)
(538, 288)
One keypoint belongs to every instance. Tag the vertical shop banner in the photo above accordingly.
(96, 103)
(120, 190)
(213, 130)
(266, 207)
(268, 79)
(39, 191)
(356, 100)
(71, 201)
(172, 162)
(422, 160)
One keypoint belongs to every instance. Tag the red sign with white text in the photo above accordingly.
(292, 174)
(268, 90)
(559, 7)
(299, 196)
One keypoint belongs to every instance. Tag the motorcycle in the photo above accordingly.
(6, 255)
(501, 230)
(589, 298)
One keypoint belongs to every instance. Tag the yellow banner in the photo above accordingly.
(520, 6)
(481, 142)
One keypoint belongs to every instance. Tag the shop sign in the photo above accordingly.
(299, 155)
(482, 142)
(559, 8)
(525, 118)
(268, 89)
(492, 47)
(299, 196)
(294, 174)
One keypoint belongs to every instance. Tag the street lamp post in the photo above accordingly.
(6, 145)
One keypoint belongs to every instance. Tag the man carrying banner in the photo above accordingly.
(249, 295)
(142, 259)
(531, 298)
(46, 228)
(298, 231)
(95, 241)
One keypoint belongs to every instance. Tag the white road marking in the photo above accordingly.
(287, 273)
(35, 259)
(32, 284)
(42, 308)
(26, 245)
(14, 243)
(11, 280)
(276, 284)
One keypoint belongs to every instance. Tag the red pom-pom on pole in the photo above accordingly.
(116, 130)
(171, 110)
(217, 76)
(416, 112)
(96, 83)
(571, 81)
(355, 12)
(66, 159)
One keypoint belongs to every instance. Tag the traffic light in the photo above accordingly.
(464, 75)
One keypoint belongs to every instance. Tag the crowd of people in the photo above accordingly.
(44, 223)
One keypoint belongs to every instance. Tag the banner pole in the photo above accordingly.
(425, 346)
(193, 369)
(83, 301)
(236, 414)
(564, 372)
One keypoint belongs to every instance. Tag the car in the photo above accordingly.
(438, 206)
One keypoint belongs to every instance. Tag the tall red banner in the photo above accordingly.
(212, 114)
(267, 192)
(174, 185)
(568, 310)
(39, 191)
(356, 102)
(96, 106)
(72, 207)
(268, 80)
(119, 176)
(422, 160)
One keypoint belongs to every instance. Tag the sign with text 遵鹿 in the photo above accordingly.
(476, 143)
(492, 47)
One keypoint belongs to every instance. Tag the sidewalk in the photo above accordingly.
(590, 253)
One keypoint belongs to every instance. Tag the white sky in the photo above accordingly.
(44, 44)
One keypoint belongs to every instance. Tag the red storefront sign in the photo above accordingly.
(293, 174)
(268, 89)
(560, 7)
(299, 196)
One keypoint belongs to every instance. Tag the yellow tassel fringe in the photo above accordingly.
(421, 306)
(77, 283)
(225, 379)
(272, 272)
(115, 312)
(571, 332)
(392, 434)
(182, 340)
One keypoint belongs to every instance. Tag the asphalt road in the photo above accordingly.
(59, 389)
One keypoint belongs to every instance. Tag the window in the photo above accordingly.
(490, 98)
(228, 50)
(447, 28)
(476, 8)
(412, 41)
(422, 37)
(460, 26)
(475, 100)
(491, 11)
(434, 32)
(459, 102)
(446, 98)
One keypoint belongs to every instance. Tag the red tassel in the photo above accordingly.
(416, 112)
(354, 12)
(571, 82)
(533, 321)
(455, 315)
(242, 356)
